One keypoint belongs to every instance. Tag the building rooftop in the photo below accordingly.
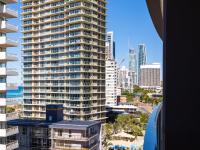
(28, 122)
(73, 124)
(68, 124)
(123, 106)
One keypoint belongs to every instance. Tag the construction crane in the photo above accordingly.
(121, 62)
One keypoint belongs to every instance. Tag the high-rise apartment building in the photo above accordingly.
(110, 46)
(132, 67)
(64, 57)
(142, 57)
(8, 140)
(111, 82)
(150, 76)
(111, 70)
(124, 78)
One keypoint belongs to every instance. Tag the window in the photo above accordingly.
(59, 132)
(24, 130)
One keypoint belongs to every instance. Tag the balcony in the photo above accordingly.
(59, 146)
(2, 87)
(8, 116)
(8, 1)
(3, 102)
(12, 86)
(7, 57)
(10, 146)
(7, 13)
(74, 137)
(6, 27)
(6, 42)
(8, 72)
(9, 131)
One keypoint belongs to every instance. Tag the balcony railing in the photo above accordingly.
(72, 137)
(6, 42)
(6, 27)
(12, 145)
(8, 1)
(7, 12)
(11, 116)
(12, 130)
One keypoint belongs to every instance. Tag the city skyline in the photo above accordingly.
(130, 29)
(71, 74)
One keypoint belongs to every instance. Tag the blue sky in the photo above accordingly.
(128, 19)
(131, 23)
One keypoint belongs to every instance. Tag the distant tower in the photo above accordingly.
(110, 46)
(142, 57)
(111, 70)
(132, 67)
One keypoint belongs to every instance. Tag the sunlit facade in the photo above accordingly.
(8, 139)
(64, 57)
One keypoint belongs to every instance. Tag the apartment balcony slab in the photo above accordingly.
(7, 57)
(7, 12)
(8, 72)
(6, 42)
(10, 146)
(6, 27)
(8, 116)
(2, 101)
(2, 87)
(8, 1)
(9, 131)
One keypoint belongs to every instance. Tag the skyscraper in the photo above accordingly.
(142, 57)
(8, 138)
(150, 76)
(110, 46)
(64, 57)
(132, 67)
(111, 70)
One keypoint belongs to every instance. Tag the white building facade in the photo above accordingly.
(8, 138)
(111, 82)
(150, 76)
(110, 46)
(64, 58)
(124, 78)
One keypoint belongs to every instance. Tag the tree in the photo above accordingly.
(137, 89)
(144, 119)
(126, 92)
(107, 135)
(115, 128)
(136, 131)
(129, 97)
(10, 109)
(125, 122)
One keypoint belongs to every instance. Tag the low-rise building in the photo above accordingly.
(54, 133)
(122, 108)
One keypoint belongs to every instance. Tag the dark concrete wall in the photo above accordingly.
(181, 75)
